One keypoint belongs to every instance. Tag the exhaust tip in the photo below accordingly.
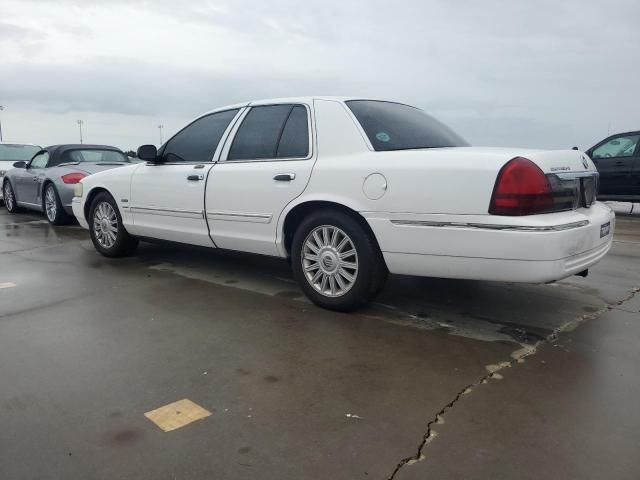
(583, 273)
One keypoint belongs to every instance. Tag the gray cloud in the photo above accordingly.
(540, 73)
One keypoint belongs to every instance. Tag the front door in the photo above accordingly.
(266, 165)
(635, 175)
(29, 182)
(614, 159)
(167, 197)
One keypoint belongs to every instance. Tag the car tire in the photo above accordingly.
(107, 231)
(52, 206)
(9, 198)
(337, 261)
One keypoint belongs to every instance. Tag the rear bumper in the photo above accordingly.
(494, 269)
(537, 248)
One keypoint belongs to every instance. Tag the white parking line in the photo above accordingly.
(7, 285)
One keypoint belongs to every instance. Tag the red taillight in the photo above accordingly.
(73, 177)
(521, 189)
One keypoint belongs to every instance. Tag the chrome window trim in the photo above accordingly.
(489, 226)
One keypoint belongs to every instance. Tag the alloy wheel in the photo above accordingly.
(8, 196)
(50, 203)
(329, 261)
(105, 225)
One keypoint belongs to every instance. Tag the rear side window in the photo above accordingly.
(93, 155)
(272, 131)
(294, 142)
(198, 141)
(394, 126)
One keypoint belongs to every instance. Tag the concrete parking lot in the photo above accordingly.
(438, 379)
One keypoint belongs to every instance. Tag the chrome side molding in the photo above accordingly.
(491, 226)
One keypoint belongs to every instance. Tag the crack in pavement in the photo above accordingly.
(516, 357)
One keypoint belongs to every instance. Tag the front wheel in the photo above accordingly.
(108, 234)
(9, 198)
(336, 261)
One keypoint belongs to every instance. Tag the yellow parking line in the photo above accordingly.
(177, 415)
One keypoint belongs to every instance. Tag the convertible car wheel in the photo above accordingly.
(9, 198)
(336, 261)
(108, 234)
(53, 207)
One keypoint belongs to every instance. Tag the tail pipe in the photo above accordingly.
(583, 273)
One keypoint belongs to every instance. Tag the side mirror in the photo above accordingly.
(20, 164)
(148, 153)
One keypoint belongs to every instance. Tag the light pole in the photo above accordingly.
(160, 127)
(1, 109)
(80, 122)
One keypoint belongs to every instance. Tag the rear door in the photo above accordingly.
(167, 198)
(29, 180)
(615, 159)
(265, 165)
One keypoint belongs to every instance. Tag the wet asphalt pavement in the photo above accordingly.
(437, 379)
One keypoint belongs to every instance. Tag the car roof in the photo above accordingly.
(304, 100)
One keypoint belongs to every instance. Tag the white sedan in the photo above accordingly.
(349, 190)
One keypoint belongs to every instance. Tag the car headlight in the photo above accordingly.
(2, 173)
(78, 190)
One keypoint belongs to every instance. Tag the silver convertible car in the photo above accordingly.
(47, 181)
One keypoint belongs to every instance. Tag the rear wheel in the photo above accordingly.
(9, 198)
(52, 206)
(336, 261)
(108, 234)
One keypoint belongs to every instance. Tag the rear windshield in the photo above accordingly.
(94, 155)
(16, 153)
(394, 126)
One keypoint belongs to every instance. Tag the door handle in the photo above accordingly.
(284, 177)
(195, 178)
(620, 164)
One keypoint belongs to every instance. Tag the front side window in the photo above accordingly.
(623, 146)
(394, 126)
(16, 153)
(272, 131)
(40, 160)
(198, 141)
(93, 155)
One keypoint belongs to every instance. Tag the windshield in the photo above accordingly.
(16, 153)
(94, 156)
(394, 126)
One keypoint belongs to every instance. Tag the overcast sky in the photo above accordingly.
(549, 74)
